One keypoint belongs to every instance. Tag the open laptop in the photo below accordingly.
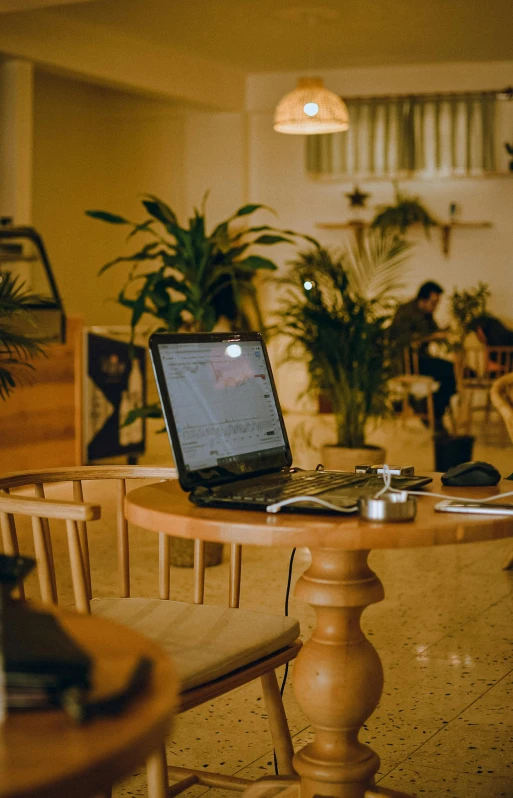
(227, 431)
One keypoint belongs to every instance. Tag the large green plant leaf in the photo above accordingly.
(149, 411)
(247, 209)
(255, 262)
(272, 239)
(167, 217)
(139, 228)
(148, 252)
(104, 216)
(162, 212)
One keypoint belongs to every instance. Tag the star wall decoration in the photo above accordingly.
(357, 198)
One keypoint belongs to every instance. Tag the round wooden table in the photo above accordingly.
(338, 678)
(43, 754)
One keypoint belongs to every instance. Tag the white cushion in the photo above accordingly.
(204, 641)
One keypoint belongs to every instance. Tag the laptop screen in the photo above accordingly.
(220, 404)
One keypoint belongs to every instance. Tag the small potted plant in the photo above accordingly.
(334, 312)
(406, 211)
(467, 306)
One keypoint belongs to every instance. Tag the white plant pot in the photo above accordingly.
(341, 458)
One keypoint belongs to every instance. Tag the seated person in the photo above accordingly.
(414, 322)
(491, 331)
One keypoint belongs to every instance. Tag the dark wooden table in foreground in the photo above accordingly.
(43, 754)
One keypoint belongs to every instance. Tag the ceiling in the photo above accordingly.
(10, 6)
(260, 36)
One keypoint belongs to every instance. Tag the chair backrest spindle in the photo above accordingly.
(123, 544)
(78, 572)
(78, 496)
(43, 557)
(39, 491)
(199, 571)
(10, 542)
(235, 573)
(164, 563)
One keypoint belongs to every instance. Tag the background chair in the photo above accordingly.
(412, 384)
(477, 368)
(501, 395)
(214, 649)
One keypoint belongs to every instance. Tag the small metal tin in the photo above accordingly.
(389, 507)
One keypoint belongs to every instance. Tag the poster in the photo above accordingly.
(115, 385)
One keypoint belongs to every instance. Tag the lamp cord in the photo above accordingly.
(285, 674)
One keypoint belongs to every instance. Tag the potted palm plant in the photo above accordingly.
(334, 312)
(17, 345)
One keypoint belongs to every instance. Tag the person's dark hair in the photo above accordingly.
(426, 289)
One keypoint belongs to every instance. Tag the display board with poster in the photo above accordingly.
(115, 385)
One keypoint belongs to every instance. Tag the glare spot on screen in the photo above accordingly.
(233, 350)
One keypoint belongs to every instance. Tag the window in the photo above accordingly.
(421, 136)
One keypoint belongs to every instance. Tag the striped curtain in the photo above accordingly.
(409, 136)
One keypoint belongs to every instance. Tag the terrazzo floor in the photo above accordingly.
(444, 725)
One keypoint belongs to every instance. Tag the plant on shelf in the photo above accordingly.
(187, 278)
(467, 307)
(334, 313)
(17, 347)
(406, 211)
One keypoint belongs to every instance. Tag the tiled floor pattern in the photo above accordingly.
(444, 726)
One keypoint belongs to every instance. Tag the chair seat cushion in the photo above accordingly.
(204, 641)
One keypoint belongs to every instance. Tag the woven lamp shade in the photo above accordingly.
(310, 109)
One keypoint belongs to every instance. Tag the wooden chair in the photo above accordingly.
(501, 395)
(477, 368)
(214, 649)
(406, 384)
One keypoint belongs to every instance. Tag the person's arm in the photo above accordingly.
(439, 335)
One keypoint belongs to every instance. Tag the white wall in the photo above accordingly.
(215, 161)
(98, 148)
(278, 177)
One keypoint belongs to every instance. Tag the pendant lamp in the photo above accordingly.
(309, 109)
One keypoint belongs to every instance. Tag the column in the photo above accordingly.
(16, 139)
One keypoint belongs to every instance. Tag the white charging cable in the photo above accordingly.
(275, 508)
(387, 479)
(387, 488)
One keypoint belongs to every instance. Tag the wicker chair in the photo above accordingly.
(405, 385)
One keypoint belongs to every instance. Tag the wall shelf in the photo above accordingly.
(446, 228)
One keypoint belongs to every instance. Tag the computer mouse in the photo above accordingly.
(473, 473)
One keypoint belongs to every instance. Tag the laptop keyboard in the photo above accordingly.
(284, 486)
